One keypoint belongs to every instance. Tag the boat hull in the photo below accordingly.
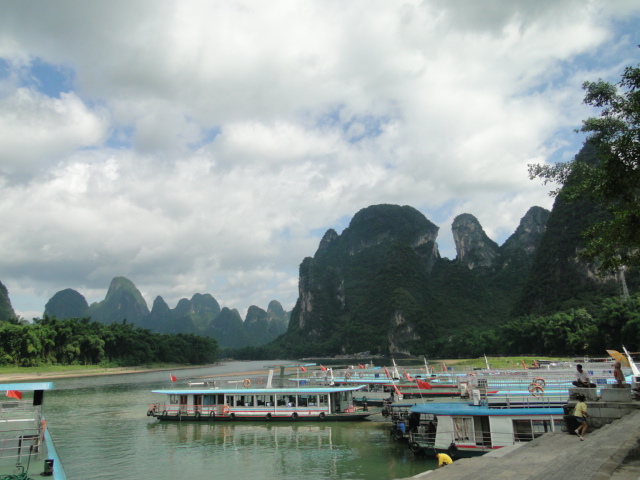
(341, 417)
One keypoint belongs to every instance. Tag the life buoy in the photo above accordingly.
(232, 416)
(322, 416)
(246, 383)
(531, 387)
(226, 409)
(294, 416)
(398, 433)
(268, 417)
(164, 413)
(537, 391)
(260, 381)
(415, 447)
(347, 375)
(540, 381)
(385, 412)
(212, 415)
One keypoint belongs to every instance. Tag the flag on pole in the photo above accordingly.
(14, 394)
(523, 365)
(444, 367)
(303, 369)
(172, 377)
(324, 369)
(360, 365)
(387, 372)
(408, 376)
(424, 385)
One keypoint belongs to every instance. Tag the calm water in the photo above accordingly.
(101, 431)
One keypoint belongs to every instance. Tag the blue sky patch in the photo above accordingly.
(49, 79)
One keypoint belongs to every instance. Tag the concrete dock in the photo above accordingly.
(609, 452)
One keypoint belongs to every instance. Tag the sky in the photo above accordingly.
(206, 146)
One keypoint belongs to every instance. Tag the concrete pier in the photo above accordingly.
(609, 452)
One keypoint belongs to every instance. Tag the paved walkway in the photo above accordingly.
(611, 452)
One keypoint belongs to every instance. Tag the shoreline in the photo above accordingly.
(45, 376)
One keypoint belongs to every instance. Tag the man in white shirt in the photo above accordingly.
(582, 379)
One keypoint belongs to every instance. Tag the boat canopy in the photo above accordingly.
(27, 387)
(482, 410)
(257, 391)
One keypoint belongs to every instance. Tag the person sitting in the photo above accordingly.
(582, 378)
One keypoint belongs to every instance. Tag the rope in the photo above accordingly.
(19, 476)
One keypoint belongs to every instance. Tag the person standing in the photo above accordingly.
(582, 378)
(580, 412)
(618, 375)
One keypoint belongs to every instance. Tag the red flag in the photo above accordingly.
(523, 365)
(324, 369)
(423, 385)
(303, 369)
(172, 377)
(444, 367)
(14, 394)
(408, 376)
(387, 372)
(361, 366)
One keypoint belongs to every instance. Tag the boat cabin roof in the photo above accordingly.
(257, 391)
(27, 387)
(482, 410)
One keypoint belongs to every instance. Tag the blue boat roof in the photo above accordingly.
(475, 410)
(27, 386)
(256, 391)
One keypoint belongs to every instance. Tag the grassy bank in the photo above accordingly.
(59, 371)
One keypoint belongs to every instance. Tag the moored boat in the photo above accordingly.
(268, 404)
(26, 444)
(462, 430)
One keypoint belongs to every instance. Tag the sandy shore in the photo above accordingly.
(45, 376)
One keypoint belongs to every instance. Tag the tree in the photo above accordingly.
(612, 182)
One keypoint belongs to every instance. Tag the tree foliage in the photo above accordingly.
(614, 180)
(81, 342)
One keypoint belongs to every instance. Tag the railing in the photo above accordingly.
(480, 438)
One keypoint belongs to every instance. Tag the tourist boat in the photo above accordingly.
(26, 444)
(255, 401)
(464, 429)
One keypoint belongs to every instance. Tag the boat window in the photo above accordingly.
(282, 400)
(264, 400)
(323, 400)
(174, 399)
(244, 400)
(230, 400)
(307, 400)
(463, 429)
(209, 400)
(539, 427)
(522, 430)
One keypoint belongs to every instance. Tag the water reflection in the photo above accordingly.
(102, 432)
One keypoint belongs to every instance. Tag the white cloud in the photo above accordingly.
(236, 129)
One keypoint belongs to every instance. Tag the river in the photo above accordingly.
(101, 431)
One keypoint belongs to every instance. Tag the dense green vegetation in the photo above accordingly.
(577, 331)
(82, 342)
(613, 181)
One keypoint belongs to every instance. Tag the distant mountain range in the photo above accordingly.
(201, 315)
(381, 286)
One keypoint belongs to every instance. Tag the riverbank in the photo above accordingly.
(13, 376)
